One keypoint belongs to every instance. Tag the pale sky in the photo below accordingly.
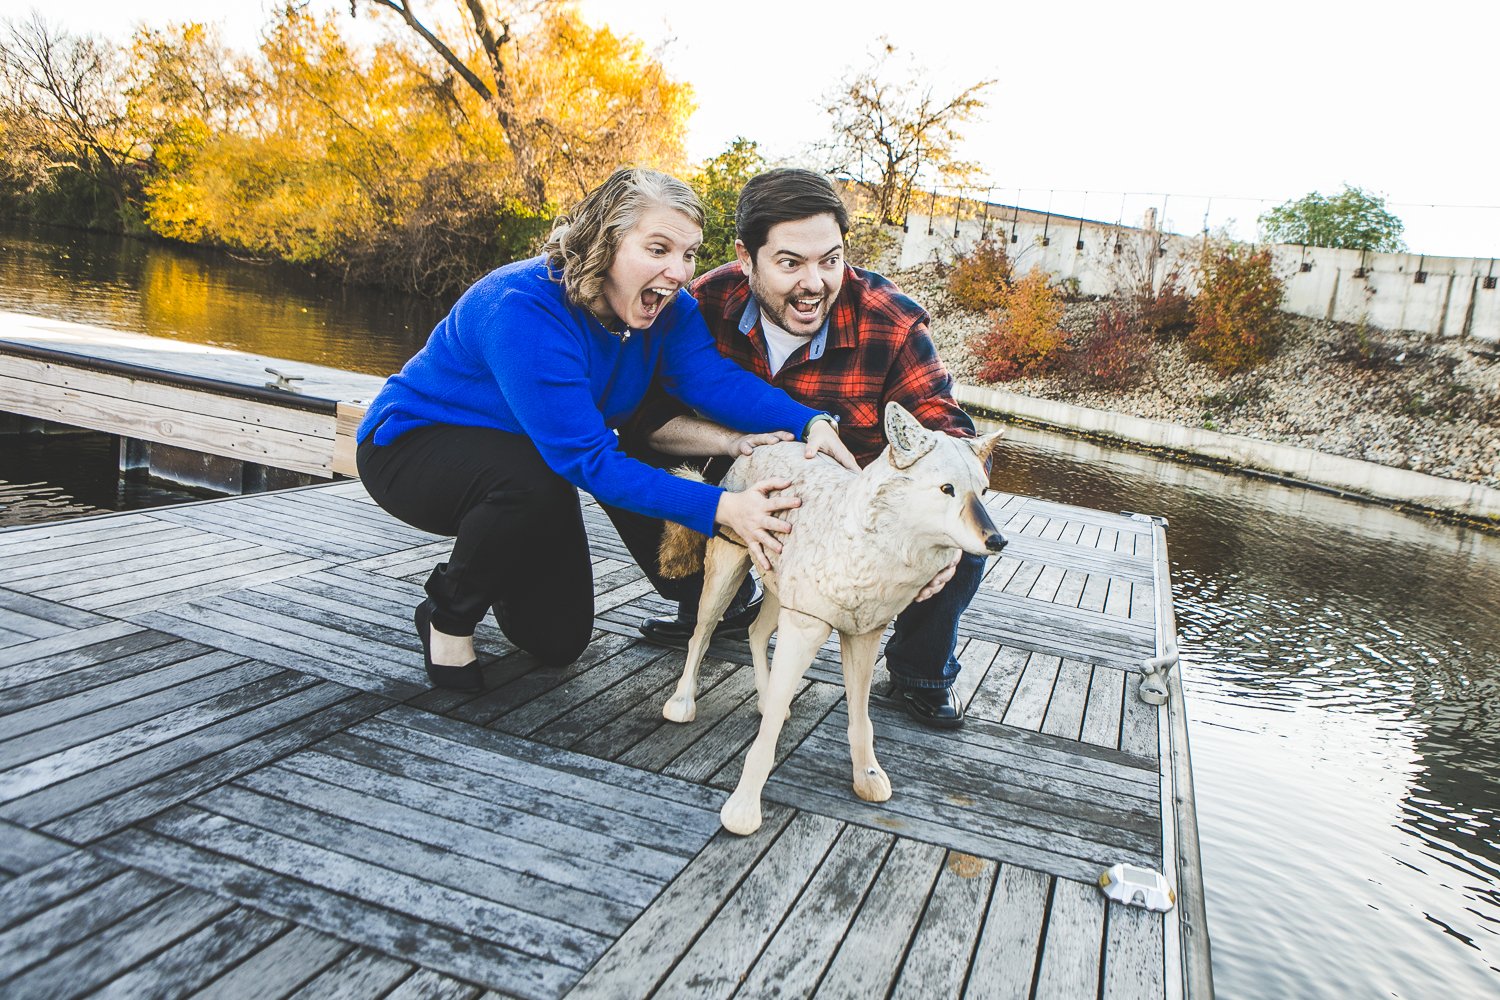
(1245, 104)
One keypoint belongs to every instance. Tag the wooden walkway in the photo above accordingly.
(194, 397)
(223, 774)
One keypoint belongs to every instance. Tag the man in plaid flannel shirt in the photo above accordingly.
(841, 340)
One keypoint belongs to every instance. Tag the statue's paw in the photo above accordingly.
(680, 708)
(871, 784)
(741, 814)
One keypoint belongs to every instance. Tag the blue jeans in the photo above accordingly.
(919, 653)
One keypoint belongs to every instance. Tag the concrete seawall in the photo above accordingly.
(1377, 482)
(1448, 297)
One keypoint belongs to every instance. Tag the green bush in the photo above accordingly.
(1238, 322)
(718, 186)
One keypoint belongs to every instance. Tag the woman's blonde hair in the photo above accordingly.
(583, 243)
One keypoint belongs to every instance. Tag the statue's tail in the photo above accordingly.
(681, 551)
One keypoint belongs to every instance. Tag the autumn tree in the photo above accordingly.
(183, 77)
(1353, 219)
(64, 124)
(327, 147)
(592, 100)
(572, 101)
(718, 184)
(890, 130)
(380, 161)
(493, 83)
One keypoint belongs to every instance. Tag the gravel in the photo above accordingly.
(1391, 397)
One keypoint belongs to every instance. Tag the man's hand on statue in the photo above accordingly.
(824, 436)
(752, 516)
(938, 582)
(746, 443)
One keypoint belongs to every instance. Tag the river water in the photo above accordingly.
(1341, 660)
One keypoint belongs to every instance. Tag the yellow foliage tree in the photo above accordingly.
(325, 148)
(598, 100)
(379, 161)
(572, 101)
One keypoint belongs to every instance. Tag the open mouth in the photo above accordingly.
(805, 308)
(653, 299)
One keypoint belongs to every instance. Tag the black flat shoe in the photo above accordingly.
(935, 707)
(676, 632)
(464, 678)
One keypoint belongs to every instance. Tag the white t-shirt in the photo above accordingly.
(780, 344)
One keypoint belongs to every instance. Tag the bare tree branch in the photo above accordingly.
(889, 135)
(497, 92)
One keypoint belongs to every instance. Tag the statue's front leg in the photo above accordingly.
(798, 638)
(858, 655)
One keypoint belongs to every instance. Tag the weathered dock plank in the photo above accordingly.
(252, 759)
(22, 850)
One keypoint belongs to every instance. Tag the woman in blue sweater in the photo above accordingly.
(488, 432)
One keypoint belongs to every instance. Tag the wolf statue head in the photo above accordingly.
(938, 481)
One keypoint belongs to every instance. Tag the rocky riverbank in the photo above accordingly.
(1392, 398)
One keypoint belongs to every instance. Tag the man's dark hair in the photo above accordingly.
(785, 194)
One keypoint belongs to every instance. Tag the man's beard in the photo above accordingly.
(775, 308)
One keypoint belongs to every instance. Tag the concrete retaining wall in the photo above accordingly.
(1380, 289)
(1368, 479)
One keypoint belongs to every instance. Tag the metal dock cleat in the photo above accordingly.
(1153, 689)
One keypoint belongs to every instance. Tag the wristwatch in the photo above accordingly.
(832, 418)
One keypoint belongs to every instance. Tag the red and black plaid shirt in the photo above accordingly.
(878, 350)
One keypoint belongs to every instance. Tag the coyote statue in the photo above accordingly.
(861, 548)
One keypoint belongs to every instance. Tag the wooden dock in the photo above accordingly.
(193, 398)
(222, 774)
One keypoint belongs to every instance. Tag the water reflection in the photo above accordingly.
(208, 298)
(1343, 676)
(56, 476)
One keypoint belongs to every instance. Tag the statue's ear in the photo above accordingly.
(909, 439)
(984, 447)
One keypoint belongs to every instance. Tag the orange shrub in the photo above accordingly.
(1024, 336)
(1237, 316)
(979, 278)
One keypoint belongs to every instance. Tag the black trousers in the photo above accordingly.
(519, 544)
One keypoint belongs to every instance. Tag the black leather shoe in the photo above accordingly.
(676, 632)
(464, 678)
(935, 707)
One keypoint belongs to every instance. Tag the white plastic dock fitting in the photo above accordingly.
(1137, 886)
(1153, 688)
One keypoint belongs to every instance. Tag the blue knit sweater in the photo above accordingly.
(516, 355)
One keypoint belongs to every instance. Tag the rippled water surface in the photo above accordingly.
(56, 476)
(1342, 660)
(208, 298)
(1342, 667)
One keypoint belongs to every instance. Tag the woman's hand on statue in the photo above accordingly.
(824, 436)
(940, 581)
(744, 444)
(752, 516)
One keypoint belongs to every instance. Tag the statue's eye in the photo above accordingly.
(947, 488)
